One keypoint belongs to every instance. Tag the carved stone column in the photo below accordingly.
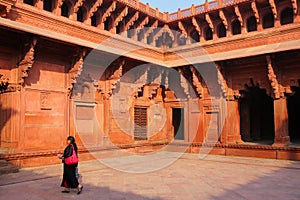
(281, 123)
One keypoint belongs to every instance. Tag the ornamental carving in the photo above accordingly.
(3, 83)
(120, 16)
(94, 8)
(196, 82)
(223, 18)
(27, 61)
(109, 11)
(277, 94)
(196, 24)
(76, 69)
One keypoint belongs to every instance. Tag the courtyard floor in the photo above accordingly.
(187, 177)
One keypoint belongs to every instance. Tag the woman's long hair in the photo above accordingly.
(72, 139)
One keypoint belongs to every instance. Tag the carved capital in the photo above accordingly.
(27, 61)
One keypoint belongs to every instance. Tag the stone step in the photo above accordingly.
(6, 167)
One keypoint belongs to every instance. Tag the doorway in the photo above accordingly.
(257, 116)
(293, 103)
(178, 123)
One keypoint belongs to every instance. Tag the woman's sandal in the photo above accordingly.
(79, 190)
(65, 191)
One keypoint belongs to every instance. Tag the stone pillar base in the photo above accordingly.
(281, 141)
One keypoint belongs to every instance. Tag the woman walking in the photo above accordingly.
(70, 162)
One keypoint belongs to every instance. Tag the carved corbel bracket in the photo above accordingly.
(94, 8)
(106, 87)
(77, 5)
(223, 18)
(274, 9)
(183, 29)
(228, 93)
(151, 29)
(142, 24)
(255, 10)
(209, 21)
(184, 83)
(196, 82)
(295, 6)
(120, 16)
(273, 78)
(132, 20)
(76, 69)
(109, 11)
(238, 14)
(196, 24)
(27, 61)
(3, 83)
